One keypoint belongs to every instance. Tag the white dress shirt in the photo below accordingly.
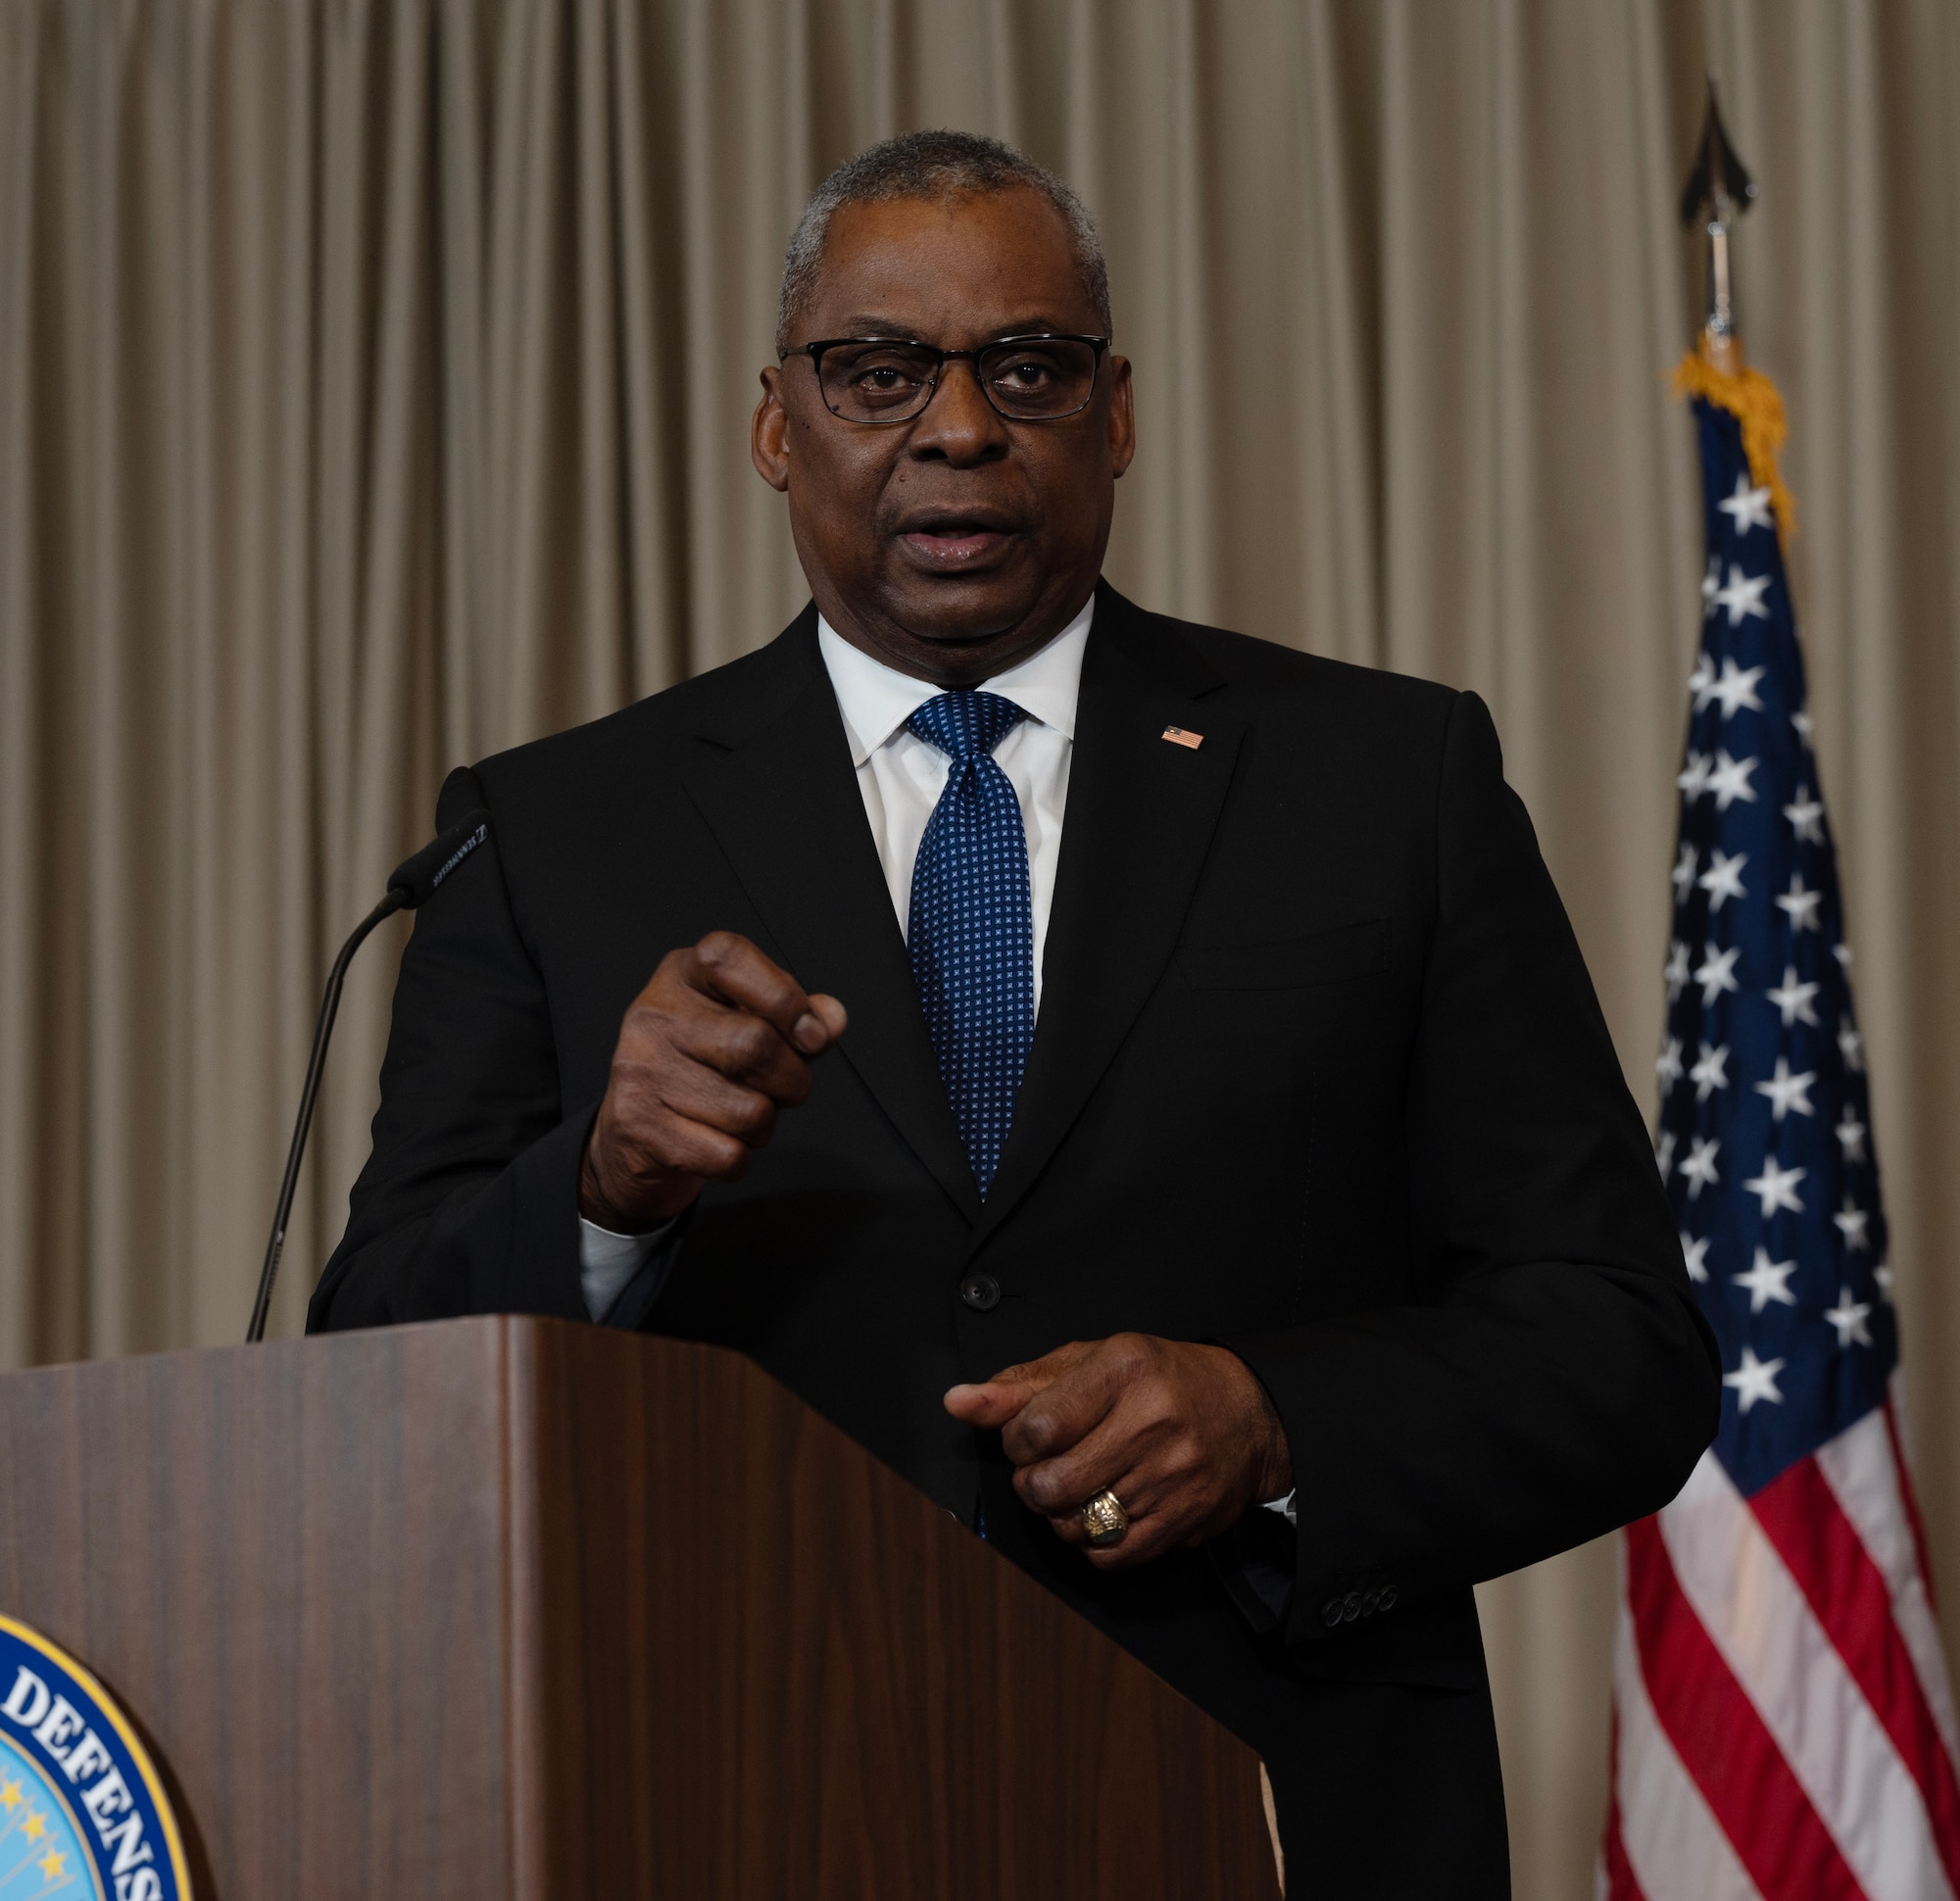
(900, 777)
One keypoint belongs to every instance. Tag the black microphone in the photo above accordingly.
(412, 882)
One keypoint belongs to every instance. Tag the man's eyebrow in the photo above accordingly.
(864, 323)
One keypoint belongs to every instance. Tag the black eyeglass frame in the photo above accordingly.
(816, 352)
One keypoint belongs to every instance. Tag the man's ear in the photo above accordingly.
(1122, 415)
(769, 432)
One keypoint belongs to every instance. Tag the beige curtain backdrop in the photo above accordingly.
(374, 385)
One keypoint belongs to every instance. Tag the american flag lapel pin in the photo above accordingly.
(1184, 736)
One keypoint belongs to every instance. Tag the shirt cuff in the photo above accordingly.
(608, 1261)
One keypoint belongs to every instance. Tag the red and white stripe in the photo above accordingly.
(1784, 1730)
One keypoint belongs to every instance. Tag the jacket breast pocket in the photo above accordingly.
(1331, 957)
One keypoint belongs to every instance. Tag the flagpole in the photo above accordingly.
(1719, 190)
(1721, 306)
(1718, 181)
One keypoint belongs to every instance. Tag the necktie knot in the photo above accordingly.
(966, 727)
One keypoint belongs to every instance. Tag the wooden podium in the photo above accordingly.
(516, 1608)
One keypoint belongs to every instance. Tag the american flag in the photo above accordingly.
(1782, 1723)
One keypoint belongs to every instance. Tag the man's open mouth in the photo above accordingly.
(956, 539)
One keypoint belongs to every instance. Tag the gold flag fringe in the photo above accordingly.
(1753, 401)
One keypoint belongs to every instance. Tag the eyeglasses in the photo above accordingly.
(891, 379)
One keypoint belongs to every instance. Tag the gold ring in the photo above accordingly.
(1104, 1519)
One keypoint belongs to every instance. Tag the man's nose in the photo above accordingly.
(958, 424)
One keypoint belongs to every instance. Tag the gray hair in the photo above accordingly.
(933, 165)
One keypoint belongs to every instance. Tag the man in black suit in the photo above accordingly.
(1233, 1209)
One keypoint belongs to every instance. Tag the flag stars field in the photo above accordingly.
(1735, 688)
(1717, 973)
(1710, 1072)
(1748, 507)
(1786, 1092)
(1754, 1380)
(1723, 880)
(1793, 1000)
(1729, 780)
(1806, 816)
(1676, 974)
(1777, 1187)
(1848, 1316)
(1699, 1171)
(1800, 905)
(1743, 596)
(1853, 1223)
(1767, 1280)
(1667, 1066)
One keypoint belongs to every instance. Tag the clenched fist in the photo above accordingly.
(1184, 1435)
(718, 1042)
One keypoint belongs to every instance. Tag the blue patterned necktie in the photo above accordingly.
(972, 937)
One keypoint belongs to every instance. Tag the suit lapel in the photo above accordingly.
(1142, 812)
(775, 782)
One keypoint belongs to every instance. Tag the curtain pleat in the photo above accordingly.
(374, 381)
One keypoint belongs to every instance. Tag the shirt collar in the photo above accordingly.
(877, 700)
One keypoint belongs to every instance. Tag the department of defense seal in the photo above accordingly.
(82, 1811)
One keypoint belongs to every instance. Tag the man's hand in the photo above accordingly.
(716, 1043)
(1184, 1436)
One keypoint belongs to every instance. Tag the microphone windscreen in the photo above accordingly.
(415, 879)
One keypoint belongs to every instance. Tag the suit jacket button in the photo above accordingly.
(1370, 1601)
(1350, 1609)
(981, 1292)
(1331, 1616)
(1387, 1602)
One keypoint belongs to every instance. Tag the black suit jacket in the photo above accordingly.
(1318, 1074)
